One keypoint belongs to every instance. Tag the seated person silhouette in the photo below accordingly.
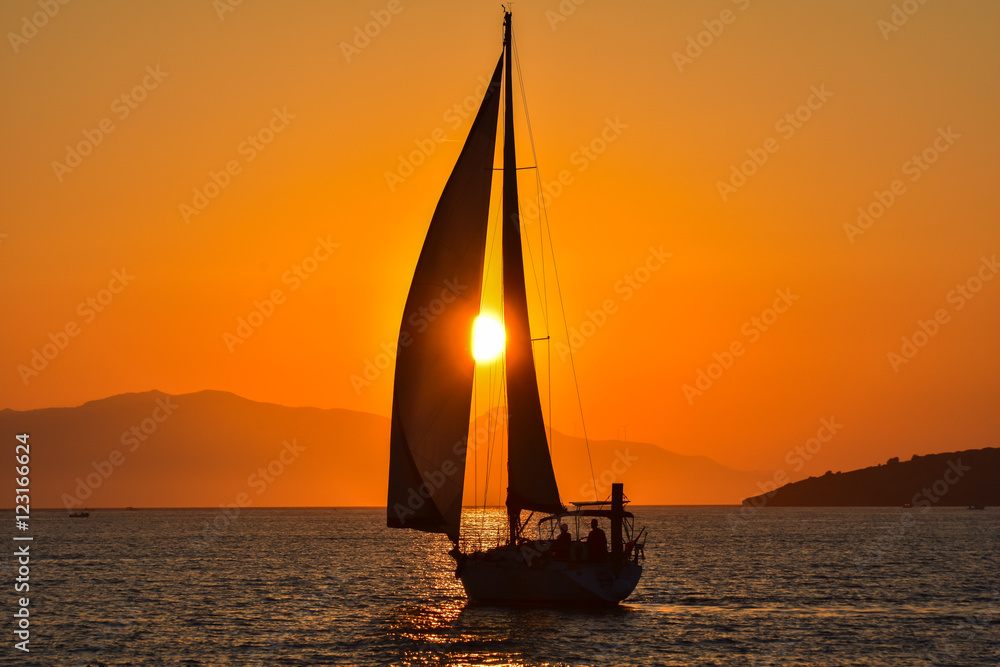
(597, 543)
(563, 543)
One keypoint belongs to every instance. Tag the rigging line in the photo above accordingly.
(538, 190)
(490, 441)
(503, 399)
(489, 444)
(506, 433)
(531, 260)
(498, 433)
(487, 466)
(548, 369)
(572, 362)
(540, 198)
(491, 245)
(489, 450)
(487, 471)
(555, 272)
(475, 450)
(492, 435)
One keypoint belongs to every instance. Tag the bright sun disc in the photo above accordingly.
(488, 338)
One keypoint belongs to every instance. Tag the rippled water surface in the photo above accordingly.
(333, 586)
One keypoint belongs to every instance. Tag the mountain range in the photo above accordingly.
(214, 448)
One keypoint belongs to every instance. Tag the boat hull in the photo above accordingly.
(508, 576)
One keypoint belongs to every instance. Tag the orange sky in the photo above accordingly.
(337, 122)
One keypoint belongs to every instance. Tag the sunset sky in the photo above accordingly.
(176, 163)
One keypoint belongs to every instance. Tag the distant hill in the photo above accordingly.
(204, 453)
(653, 476)
(214, 448)
(970, 477)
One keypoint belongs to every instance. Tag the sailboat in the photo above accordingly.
(432, 398)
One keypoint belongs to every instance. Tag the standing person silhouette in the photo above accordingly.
(597, 543)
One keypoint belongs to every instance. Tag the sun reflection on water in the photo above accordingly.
(329, 586)
(483, 528)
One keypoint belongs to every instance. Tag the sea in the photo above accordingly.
(721, 586)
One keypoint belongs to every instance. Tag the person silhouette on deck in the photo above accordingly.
(597, 543)
(563, 543)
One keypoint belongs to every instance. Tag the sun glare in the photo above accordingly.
(488, 338)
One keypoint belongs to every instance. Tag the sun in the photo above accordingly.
(488, 338)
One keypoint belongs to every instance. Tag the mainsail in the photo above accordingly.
(531, 480)
(432, 391)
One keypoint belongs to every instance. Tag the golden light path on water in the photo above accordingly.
(336, 586)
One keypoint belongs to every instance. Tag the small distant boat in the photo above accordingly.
(977, 507)
(907, 506)
(79, 515)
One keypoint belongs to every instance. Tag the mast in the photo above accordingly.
(510, 219)
(531, 483)
(617, 517)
